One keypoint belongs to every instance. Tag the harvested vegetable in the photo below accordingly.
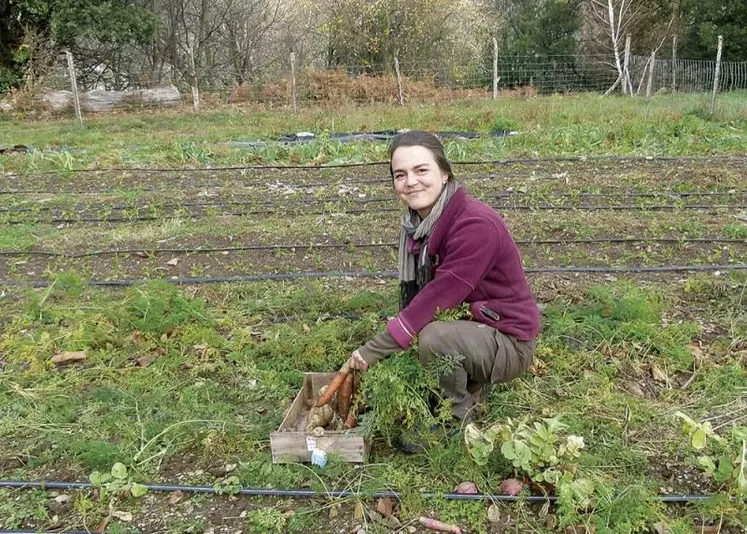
(326, 396)
(511, 486)
(351, 421)
(319, 416)
(344, 396)
(439, 526)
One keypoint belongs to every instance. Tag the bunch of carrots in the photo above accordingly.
(344, 385)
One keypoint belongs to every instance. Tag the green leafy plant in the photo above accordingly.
(116, 482)
(539, 453)
(725, 460)
(228, 486)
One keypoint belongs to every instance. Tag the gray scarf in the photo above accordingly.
(415, 268)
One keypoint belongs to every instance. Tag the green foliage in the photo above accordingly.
(538, 452)
(707, 19)
(634, 509)
(621, 317)
(267, 520)
(397, 393)
(116, 482)
(724, 460)
(155, 307)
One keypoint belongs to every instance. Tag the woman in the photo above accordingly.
(454, 249)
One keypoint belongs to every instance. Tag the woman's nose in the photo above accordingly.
(411, 179)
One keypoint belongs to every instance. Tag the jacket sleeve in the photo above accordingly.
(379, 348)
(468, 257)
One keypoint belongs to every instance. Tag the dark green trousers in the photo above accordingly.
(487, 356)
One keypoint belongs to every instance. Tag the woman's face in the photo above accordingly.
(417, 178)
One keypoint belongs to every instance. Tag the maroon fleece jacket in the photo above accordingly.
(475, 261)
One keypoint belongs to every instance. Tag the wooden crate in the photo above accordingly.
(290, 445)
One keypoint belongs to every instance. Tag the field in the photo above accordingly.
(195, 283)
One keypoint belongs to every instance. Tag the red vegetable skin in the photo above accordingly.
(344, 396)
(334, 386)
(511, 486)
(439, 526)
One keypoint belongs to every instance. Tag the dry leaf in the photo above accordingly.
(698, 356)
(122, 516)
(173, 262)
(662, 528)
(175, 497)
(334, 511)
(385, 506)
(658, 374)
(145, 361)
(634, 389)
(494, 513)
(69, 357)
(141, 254)
(306, 328)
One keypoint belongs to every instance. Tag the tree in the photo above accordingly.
(706, 20)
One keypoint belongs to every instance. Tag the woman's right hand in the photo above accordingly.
(356, 362)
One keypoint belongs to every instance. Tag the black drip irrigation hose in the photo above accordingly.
(377, 274)
(503, 208)
(372, 200)
(506, 161)
(311, 246)
(308, 493)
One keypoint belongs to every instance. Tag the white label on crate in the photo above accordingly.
(310, 443)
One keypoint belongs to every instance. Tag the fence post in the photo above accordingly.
(293, 82)
(718, 71)
(674, 63)
(495, 68)
(74, 86)
(627, 86)
(651, 74)
(400, 96)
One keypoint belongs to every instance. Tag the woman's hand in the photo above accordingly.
(356, 362)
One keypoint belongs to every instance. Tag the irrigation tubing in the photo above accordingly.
(308, 493)
(389, 199)
(307, 246)
(506, 161)
(378, 274)
(359, 211)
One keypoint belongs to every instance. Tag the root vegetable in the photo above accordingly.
(344, 396)
(511, 486)
(351, 421)
(319, 417)
(439, 526)
(326, 396)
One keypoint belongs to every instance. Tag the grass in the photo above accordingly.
(222, 376)
(547, 126)
(178, 382)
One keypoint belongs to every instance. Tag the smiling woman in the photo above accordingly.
(454, 250)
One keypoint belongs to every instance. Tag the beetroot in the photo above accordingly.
(511, 486)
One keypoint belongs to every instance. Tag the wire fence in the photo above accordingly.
(102, 88)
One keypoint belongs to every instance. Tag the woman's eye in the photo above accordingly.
(422, 171)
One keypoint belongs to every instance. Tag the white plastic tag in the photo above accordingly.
(310, 443)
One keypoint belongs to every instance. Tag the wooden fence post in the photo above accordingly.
(627, 86)
(293, 82)
(674, 63)
(650, 83)
(400, 95)
(718, 71)
(495, 68)
(74, 86)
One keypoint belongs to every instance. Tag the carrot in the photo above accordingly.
(351, 421)
(325, 397)
(344, 396)
(438, 525)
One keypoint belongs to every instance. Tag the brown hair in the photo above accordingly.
(426, 140)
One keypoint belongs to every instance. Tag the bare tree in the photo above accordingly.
(616, 16)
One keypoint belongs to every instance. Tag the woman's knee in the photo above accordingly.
(429, 342)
